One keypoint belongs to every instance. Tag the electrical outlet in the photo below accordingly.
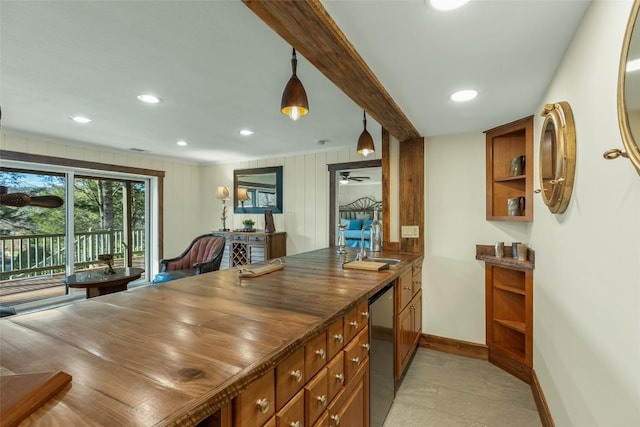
(410, 231)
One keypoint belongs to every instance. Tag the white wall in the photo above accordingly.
(455, 222)
(305, 201)
(182, 182)
(587, 274)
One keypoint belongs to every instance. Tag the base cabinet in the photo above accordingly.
(408, 329)
(408, 318)
(351, 407)
(325, 383)
(509, 310)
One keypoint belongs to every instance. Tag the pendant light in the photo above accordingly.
(365, 142)
(294, 99)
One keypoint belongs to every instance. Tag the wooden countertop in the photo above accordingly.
(173, 353)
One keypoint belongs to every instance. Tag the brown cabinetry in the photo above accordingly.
(408, 296)
(323, 383)
(509, 171)
(255, 406)
(509, 311)
(249, 248)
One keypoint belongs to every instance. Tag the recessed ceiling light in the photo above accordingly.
(464, 95)
(149, 99)
(447, 4)
(246, 132)
(182, 143)
(633, 65)
(81, 119)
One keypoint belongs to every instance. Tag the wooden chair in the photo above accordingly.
(203, 255)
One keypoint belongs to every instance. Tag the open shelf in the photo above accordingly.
(503, 145)
(509, 313)
(511, 178)
(516, 326)
(509, 341)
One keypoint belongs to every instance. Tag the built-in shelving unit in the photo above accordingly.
(504, 144)
(509, 310)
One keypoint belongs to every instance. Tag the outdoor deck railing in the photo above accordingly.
(36, 254)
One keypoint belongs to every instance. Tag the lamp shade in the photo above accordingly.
(243, 195)
(222, 193)
(294, 98)
(365, 142)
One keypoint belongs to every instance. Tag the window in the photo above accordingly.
(102, 212)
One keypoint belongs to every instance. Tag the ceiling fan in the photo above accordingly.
(19, 200)
(345, 178)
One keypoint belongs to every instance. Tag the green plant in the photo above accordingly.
(248, 223)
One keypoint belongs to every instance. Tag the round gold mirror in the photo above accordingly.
(557, 156)
(629, 92)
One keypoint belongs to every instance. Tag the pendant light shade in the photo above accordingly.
(365, 142)
(294, 99)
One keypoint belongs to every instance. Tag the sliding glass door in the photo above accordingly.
(55, 222)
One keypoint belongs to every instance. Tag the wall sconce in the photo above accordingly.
(243, 196)
(365, 142)
(223, 194)
(294, 99)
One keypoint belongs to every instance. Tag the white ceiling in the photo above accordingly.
(219, 69)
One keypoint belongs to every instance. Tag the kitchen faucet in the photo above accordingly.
(362, 253)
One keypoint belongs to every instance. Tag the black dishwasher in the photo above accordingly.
(381, 381)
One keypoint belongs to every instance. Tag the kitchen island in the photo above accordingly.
(179, 352)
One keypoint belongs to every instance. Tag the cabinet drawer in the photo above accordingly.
(335, 338)
(355, 354)
(292, 415)
(239, 238)
(315, 354)
(335, 375)
(356, 320)
(254, 239)
(323, 421)
(289, 377)
(255, 405)
(417, 277)
(404, 290)
(315, 397)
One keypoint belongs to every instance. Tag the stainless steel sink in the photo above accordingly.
(390, 261)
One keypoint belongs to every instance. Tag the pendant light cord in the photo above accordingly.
(294, 61)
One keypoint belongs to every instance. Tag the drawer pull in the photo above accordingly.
(354, 324)
(406, 288)
(340, 378)
(295, 424)
(263, 405)
(297, 375)
(365, 314)
(339, 338)
(356, 360)
(321, 354)
(322, 399)
(336, 419)
(366, 347)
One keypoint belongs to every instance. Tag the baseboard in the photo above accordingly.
(453, 346)
(541, 403)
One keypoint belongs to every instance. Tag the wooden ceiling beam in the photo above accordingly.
(308, 27)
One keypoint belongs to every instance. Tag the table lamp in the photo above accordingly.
(243, 196)
(223, 194)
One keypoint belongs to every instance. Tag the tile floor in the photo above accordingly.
(444, 390)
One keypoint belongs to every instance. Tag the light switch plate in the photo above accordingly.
(410, 231)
